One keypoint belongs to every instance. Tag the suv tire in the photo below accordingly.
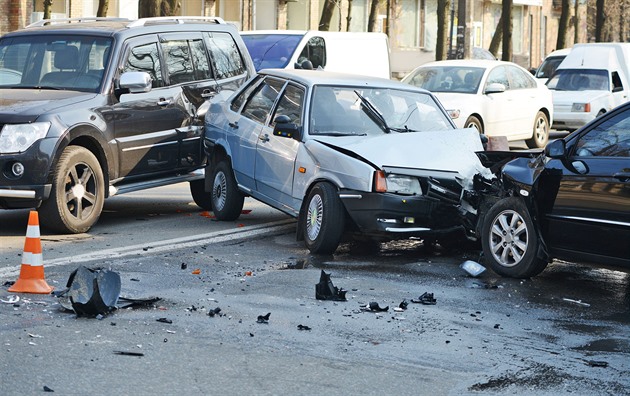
(202, 198)
(78, 192)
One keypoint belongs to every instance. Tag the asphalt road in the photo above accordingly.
(565, 331)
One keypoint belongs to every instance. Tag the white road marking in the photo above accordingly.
(165, 245)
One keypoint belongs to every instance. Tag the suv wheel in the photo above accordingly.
(227, 200)
(509, 240)
(78, 192)
(323, 220)
(202, 198)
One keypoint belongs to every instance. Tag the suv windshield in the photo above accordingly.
(346, 111)
(53, 62)
(271, 50)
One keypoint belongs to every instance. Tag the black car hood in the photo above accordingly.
(26, 105)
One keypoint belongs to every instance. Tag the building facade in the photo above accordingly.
(410, 24)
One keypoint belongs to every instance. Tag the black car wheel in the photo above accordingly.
(510, 241)
(227, 200)
(78, 192)
(323, 220)
(540, 135)
(473, 122)
(202, 198)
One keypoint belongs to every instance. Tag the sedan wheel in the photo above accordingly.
(540, 134)
(510, 241)
(323, 219)
(227, 200)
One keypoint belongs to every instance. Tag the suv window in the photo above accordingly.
(260, 103)
(186, 61)
(146, 58)
(609, 139)
(225, 56)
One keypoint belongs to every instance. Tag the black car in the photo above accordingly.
(93, 107)
(572, 202)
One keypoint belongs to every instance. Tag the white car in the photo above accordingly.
(498, 98)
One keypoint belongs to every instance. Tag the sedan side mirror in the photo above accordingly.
(285, 128)
(556, 149)
(494, 88)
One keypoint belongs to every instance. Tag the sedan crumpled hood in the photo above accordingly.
(452, 151)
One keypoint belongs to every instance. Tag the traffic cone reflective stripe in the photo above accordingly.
(31, 278)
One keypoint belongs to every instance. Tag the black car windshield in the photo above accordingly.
(346, 111)
(579, 80)
(53, 62)
(460, 79)
(271, 50)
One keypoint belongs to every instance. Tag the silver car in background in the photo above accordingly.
(345, 154)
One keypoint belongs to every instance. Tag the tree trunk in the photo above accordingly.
(47, 6)
(103, 5)
(561, 41)
(441, 47)
(506, 15)
(373, 18)
(327, 14)
(154, 8)
(497, 38)
(576, 22)
(599, 21)
(349, 17)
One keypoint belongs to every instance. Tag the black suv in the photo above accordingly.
(91, 108)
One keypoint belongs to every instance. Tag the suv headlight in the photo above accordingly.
(16, 138)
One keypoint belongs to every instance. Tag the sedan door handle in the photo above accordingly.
(622, 176)
(264, 138)
(163, 102)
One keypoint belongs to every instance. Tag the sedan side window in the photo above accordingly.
(259, 104)
(290, 105)
(609, 139)
(498, 75)
(146, 58)
(520, 79)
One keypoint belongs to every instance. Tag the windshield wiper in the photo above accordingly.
(373, 113)
(35, 87)
(339, 134)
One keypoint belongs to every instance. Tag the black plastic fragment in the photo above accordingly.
(426, 299)
(164, 320)
(93, 292)
(303, 327)
(597, 363)
(127, 353)
(263, 318)
(215, 311)
(137, 302)
(374, 307)
(47, 389)
(403, 304)
(325, 290)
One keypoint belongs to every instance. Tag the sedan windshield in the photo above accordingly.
(53, 62)
(579, 80)
(347, 111)
(271, 50)
(460, 79)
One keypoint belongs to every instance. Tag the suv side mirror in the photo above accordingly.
(556, 149)
(494, 88)
(136, 82)
(285, 128)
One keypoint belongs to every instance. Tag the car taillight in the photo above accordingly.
(380, 182)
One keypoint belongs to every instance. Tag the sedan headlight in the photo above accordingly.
(581, 107)
(398, 184)
(19, 137)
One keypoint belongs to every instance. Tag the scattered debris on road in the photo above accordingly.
(473, 268)
(91, 292)
(325, 290)
(577, 302)
(374, 307)
(426, 298)
(303, 327)
(164, 320)
(127, 353)
(216, 311)
(263, 318)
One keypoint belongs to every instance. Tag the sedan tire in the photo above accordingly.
(510, 241)
(78, 192)
(227, 200)
(473, 122)
(323, 219)
(540, 135)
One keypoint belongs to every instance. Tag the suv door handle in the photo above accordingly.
(163, 102)
(233, 124)
(208, 93)
(264, 138)
(622, 176)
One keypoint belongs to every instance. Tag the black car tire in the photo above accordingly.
(510, 241)
(227, 200)
(77, 195)
(323, 219)
(473, 121)
(540, 133)
(202, 198)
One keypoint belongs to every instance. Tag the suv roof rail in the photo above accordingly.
(176, 20)
(45, 22)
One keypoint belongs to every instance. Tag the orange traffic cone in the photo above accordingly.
(31, 278)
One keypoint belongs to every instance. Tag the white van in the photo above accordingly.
(592, 79)
(346, 52)
(550, 64)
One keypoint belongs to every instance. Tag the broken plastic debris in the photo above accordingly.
(92, 292)
(206, 214)
(374, 307)
(184, 265)
(263, 318)
(596, 363)
(426, 299)
(403, 304)
(11, 300)
(47, 389)
(248, 273)
(214, 312)
(303, 327)
(196, 271)
(473, 268)
(127, 353)
(164, 320)
(325, 290)
(578, 302)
